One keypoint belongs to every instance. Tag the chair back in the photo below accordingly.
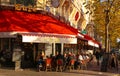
(72, 62)
(48, 61)
(59, 62)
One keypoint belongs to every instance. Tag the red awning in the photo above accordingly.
(35, 27)
(91, 41)
(17, 21)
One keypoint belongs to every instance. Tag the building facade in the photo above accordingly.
(70, 15)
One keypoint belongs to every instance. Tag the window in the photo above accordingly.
(4, 43)
(26, 2)
(7, 2)
(23, 2)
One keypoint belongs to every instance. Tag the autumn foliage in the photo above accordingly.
(114, 20)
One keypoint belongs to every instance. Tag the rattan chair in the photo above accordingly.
(48, 64)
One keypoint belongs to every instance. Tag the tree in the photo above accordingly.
(114, 20)
(105, 17)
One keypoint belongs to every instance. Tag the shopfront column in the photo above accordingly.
(53, 49)
(62, 48)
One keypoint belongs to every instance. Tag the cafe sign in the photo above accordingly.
(29, 8)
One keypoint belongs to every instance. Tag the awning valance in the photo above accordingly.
(48, 38)
(91, 41)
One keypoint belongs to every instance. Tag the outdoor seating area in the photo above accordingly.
(60, 63)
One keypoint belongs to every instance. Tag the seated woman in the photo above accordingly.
(40, 61)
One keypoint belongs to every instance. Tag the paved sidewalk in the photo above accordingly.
(93, 70)
(93, 67)
(31, 72)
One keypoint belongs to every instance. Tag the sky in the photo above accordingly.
(118, 40)
(102, 0)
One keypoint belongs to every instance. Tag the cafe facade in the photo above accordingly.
(33, 33)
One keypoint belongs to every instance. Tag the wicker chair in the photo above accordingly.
(84, 64)
(59, 65)
(48, 64)
(71, 64)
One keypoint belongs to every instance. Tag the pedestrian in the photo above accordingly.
(113, 61)
(91, 57)
(98, 55)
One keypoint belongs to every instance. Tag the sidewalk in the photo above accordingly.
(32, 72)
(93, 70)
(94, 67)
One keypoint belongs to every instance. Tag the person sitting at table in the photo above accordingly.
(39, 61)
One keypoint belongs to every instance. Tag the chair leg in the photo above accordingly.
(56, 68)
(50, 68)
(70, 68)
(86, 66)
(79, 67)
(46, 69)
(61, 68)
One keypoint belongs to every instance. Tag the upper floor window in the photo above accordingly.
(26, 2)
(23, 2)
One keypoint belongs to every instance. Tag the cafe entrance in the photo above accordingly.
(28, 57)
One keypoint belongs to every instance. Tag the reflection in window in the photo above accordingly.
(26, 2)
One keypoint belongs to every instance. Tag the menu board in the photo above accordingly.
(48, 49)
(17, 55)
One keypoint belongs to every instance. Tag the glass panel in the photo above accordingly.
(19, 1)
(5, 43)
(25, 2)
(0, 45)
(12, 2)
(5, 2)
